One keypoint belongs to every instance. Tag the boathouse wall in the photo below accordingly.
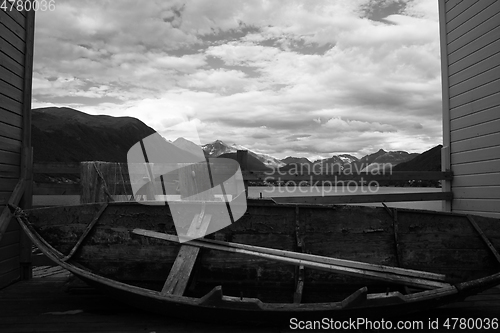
(16, 67)
(470, 56)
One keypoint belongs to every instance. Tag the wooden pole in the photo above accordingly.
(27, 150)
(87, 180)
(26, 202)
(242, 159)
(97, 178)
(316, 262)
(445, 89)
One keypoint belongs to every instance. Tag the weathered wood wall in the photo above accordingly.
(470, 53)
(16, 57)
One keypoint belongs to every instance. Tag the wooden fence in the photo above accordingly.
(115, 176)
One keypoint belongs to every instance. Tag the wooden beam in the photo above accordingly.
(320, 263)
(195, 184)
(179, 275)
(357, 297)
(445, 104)
(365, 198)
(485, 239)
(6, 215)
(69, 167)
(86, 232)
(28, 76)
(27, 149)
(312, 176)
(396, 237)
(55, 189)
(299, 287)
(180, 272)
(73, 168)
(26, 202)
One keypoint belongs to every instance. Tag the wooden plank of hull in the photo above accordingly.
(436, 242)
(287, 257)
(194, 182)
(366, 198)
(178, 277)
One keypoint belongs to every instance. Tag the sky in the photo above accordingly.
(309, 78)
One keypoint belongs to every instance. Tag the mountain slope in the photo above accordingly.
(253, 162)
(382, 159)
(395, 157)
(366, 160)
(429, 160)
(296, 160)
(68, 135)
(190, 147)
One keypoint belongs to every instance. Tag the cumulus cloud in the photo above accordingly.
(341, 125)
(284, 77)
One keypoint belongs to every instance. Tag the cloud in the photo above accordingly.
(297, 137)
(340, 125)
(221, 80)
(354, 76)
(187, 63)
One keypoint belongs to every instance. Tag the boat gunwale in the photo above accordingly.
(255, 304)
(269, 202)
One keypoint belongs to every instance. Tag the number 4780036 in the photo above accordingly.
(27, 5)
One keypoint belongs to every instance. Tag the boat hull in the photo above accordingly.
(242, 287)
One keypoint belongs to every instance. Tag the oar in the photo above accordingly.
(298, 259)
(326, 260)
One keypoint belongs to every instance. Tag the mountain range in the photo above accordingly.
(218, 148)
(337, 163)
(382, 159)
(68, 135)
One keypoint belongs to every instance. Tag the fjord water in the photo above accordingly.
(275, 191)
(295, 191)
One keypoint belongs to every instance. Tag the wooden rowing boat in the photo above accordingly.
(279, 261)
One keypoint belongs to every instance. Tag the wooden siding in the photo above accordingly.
(16, 45)
(470, 46)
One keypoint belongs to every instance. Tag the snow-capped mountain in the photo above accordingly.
(268, 160)
(347, 159)
(218, 147)
(334, 163)
(296, 160)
